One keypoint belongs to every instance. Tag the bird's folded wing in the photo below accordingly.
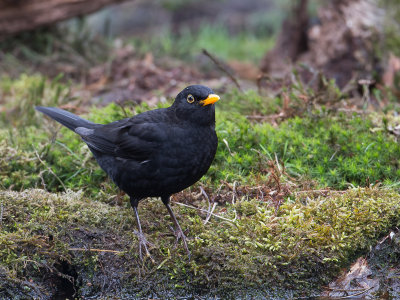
(136, 142)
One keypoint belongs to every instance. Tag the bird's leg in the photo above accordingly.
(178, 231)
(142, 239)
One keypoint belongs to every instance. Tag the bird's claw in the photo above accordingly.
(180, 236)
(143, 243)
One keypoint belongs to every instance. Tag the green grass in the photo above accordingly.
(215, 38)
(20, 96)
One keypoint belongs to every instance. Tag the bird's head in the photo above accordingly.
(196, 103)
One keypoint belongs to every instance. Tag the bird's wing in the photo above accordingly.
(125, 139)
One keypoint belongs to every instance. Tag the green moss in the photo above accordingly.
(334, 150)
(300, 246)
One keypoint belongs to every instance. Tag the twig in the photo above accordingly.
(206, 196)
(1, 214)
(319, 191)
(41, 177)
(50, 170)
(209, 205)
(222, 68)
(210, 213)
(344, 290)
(333, 155)
(119, 103)
(362, 292)
(234, 194)
(203, 210)
(281, 115)
(227, 146)
(95, 250)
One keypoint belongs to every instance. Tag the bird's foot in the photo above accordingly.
(143, 243)
(180, 235)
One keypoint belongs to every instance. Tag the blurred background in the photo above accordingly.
(308, 127)
(123, 39)
(109, 45)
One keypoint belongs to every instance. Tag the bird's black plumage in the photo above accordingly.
(156, 153)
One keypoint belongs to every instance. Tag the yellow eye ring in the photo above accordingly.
(190, 98)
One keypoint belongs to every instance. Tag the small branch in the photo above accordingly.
(357, 294)
(95, 250)
(203, 210)
(222, 68)
(120, 104)
(227, 146)
(209, 205)
(210, 213)
(344, 290)
(234, 199)
(319, 191)
(50, 170)
(1, 214)
(203, 192)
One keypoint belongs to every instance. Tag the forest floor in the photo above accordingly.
(304, 187)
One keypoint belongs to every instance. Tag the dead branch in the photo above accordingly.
(222, 68)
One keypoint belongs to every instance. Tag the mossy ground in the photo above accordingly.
(267, 232)
(249, 244)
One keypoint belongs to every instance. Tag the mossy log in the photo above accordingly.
(17, 16)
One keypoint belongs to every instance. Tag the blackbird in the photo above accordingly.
(156, 153)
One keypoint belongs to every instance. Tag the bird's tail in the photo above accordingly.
(64, 117)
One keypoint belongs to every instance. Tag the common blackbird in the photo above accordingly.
(156, 153)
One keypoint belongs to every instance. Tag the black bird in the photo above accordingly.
(156, 153)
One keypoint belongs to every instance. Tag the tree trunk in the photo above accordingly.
(341, 44)
(291, 42)
(20, 15)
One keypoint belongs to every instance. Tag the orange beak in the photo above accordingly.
(211, 99)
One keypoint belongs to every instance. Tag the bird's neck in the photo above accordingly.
(199, 117)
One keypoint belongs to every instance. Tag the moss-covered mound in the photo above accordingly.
(66, 243)
(333, 150)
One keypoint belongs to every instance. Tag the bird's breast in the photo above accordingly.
(180, 160)
(186, 158)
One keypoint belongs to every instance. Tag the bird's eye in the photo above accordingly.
(190, 99)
